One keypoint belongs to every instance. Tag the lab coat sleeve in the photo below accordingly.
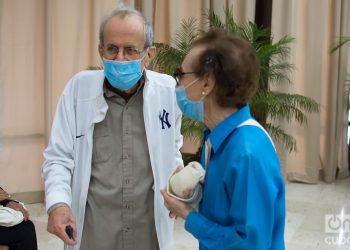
(58, 166)
(253, 193)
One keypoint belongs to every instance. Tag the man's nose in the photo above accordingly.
(120, 55)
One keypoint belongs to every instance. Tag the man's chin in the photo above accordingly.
(130, 91)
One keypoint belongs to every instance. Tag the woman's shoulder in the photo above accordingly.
(250, 142)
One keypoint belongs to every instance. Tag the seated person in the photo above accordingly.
(21, 236)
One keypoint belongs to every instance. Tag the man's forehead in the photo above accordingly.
(132, 21)
(127, 26)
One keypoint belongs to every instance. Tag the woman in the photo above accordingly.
(243, 204)
(21, 236)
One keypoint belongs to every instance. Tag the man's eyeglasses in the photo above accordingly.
(178, 73)
(128, 52)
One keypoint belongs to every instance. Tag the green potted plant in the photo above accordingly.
(267, 105)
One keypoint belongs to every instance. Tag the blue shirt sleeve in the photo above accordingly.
(256, 194)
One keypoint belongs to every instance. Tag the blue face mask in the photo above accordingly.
(192, 109)
(123, 75)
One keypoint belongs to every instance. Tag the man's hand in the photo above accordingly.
(59, 218)
(3, 195)
(19, 207)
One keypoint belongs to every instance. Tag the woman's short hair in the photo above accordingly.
(233, 63)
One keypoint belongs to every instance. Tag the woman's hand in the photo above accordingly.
(178, 169)
(3, 195)
(176, 207)
(19, 207)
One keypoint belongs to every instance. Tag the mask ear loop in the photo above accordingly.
(146, 52)
(191, 83)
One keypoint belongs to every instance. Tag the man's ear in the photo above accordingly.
(151, 53)
(100, 51)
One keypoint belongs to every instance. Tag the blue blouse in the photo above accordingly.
(243, 205)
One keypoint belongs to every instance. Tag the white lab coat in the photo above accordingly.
(67, 167)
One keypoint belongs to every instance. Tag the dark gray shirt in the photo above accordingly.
(119, 209)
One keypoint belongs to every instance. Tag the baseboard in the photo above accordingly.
(29, 197)
(343, 174)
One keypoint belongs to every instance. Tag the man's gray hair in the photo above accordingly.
(123, 11)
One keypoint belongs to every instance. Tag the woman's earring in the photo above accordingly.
(203, 93)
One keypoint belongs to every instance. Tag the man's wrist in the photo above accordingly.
(57, 205)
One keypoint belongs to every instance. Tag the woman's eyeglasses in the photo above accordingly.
(178, 73)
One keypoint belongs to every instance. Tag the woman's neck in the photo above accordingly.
(214, 114)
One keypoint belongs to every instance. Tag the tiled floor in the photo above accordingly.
(307, 207)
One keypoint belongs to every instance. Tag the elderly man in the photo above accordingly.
(115, 140)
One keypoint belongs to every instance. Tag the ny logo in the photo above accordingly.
(164, 119)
